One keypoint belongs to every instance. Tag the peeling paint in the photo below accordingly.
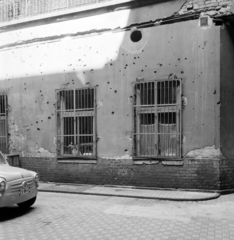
(41, 152)
(126, 156)
(140, 162)
(99, 104)
(205, 153)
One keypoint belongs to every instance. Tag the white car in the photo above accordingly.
(17, 185)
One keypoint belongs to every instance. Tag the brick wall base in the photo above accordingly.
(190, 174)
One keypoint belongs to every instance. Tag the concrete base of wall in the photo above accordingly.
(190, 174)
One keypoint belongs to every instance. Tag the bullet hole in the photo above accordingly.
(91, 70)
(138, 57)
(136, 36)
(36, 121)
(126, 150)
(25, 89)
(218, 103)
(182, 72)
(160, 64)
(178, 59)
(142, 50)
(110, 88)
(38, 129)
(97, 85)
(112, 112)
(155, 71)
(52, 114)
(133, 63)
(41, 95)
(111, 64)
(134, 57)
(47, 102)
(24, 83)
(35, 101)
(214, 92)
(108, 82)
(119, 70)
(115, 91)
(127, 115)
(41, 120)
(185, 59)
(40, 91)
(142, 70)
(49, 117)
(122, 54)
(145, 65)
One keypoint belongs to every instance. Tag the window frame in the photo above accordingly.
(155, 109)
(91, 113)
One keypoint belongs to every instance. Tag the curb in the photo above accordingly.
(217, 195)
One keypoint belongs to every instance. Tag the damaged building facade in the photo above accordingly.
(124, 92)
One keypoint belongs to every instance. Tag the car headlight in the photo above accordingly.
(36, 178)
(2, 184)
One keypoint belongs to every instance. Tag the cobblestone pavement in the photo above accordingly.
(71, 216)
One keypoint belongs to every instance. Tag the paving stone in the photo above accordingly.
(68, 216)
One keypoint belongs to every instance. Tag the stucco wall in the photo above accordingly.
(36, 60)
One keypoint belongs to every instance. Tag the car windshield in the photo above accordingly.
(2, 159)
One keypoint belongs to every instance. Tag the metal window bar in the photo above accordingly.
(3, 124)
(157, 119)
(76, 122)
(15, 9)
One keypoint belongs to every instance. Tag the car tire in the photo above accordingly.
(28, 203)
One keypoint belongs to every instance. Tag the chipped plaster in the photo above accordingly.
(208, 152)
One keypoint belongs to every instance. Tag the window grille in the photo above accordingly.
(76, 122)
(3, 124)
(157, 119)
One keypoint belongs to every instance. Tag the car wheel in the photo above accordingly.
(28, 203)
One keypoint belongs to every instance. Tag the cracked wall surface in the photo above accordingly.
(212, 8)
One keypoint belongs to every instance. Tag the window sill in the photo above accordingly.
(83, 159)
(156, 159)
(78, 161)
(151, 161)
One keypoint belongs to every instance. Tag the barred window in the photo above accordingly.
(3, 124)
(76, 123)
(157, 119)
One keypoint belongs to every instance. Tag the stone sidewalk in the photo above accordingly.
(131, 192)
